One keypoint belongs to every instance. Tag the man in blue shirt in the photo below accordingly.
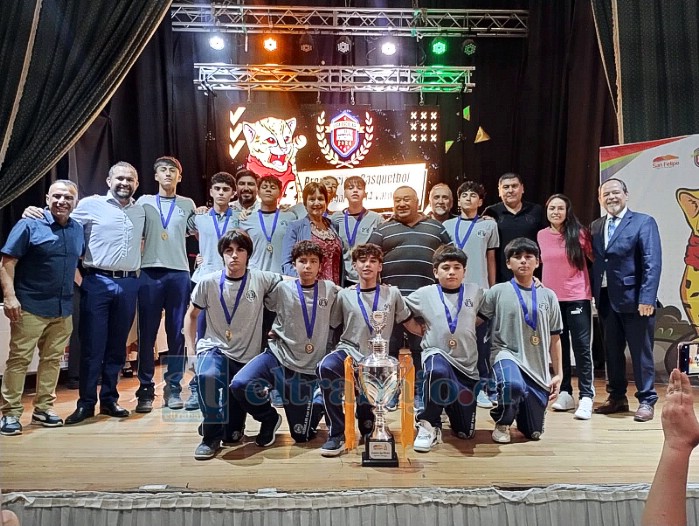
(37, 271)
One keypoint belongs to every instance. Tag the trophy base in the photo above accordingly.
(379, 454)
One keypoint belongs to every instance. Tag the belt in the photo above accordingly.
(116, 274)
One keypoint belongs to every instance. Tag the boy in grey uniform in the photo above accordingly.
(353, 308)
(525, 330)
(303, 308)
(233, 300)
(449, 352)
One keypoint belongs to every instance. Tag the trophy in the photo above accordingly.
(379, 381)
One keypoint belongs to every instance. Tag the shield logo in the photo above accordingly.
(695, 155)
(344, 134)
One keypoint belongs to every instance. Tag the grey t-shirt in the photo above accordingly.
(344, 224)
(426, 303)
(511, 336)
(355, 335)
(483, 237)
(245, 329)
(203, 224)
(290, 344)
(165, 247)
(262, 258)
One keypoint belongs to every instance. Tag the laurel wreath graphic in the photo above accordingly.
(331, 155)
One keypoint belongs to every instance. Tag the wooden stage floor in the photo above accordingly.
(108, 454)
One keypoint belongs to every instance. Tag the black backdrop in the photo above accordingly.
(543, 101)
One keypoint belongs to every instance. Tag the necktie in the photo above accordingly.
(611, 227)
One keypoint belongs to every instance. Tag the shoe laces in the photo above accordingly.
(423, 431)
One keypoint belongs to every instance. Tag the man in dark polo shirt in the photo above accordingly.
(37, 271)
(408, 240)
(515, 218)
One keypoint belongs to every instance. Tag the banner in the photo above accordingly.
(663, 181)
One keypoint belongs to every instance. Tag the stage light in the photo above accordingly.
(469, 46)
(306, 43)
(270, 44)
(344, 45)
(216, 42)
(439, 46)
(388, 48)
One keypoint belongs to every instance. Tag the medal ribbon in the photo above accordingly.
(363, 309)
(531, 321)
(229, 315)
(165, 222)
(351, 238)
(462, 242)
(214, 218)
(261, 217)
(310, 324)
(452, 321)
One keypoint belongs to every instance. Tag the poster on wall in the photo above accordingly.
(663, 181)
(387, 148)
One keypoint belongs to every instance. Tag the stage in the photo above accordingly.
(150, 456)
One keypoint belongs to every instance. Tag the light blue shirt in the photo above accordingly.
(113, 232)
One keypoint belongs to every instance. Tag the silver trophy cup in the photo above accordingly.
(379, 381)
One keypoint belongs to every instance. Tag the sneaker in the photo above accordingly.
(483, 401)
(564, 402)
(276, 398)
(145, 395)
(192, 403)
(419, 404)
(172, 399)
(268, 431)
(427, 436)
(501, 434)
(47, 418)
(206, 451)
(584, 411)
(236, 436)
(535, 436)
(9, 426)
(333, 447)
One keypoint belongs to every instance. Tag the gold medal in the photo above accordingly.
(534, 339)
(229, 335)
(270, 248)
(309, 348)
(452, 343)
(164, 235)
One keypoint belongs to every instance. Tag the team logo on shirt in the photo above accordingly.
(323, 302)
(544, 306)
(250, 296)
(468, 302)
(386, 307)
(481, 233)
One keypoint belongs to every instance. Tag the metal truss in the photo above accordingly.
(418, 23)
(423, 79)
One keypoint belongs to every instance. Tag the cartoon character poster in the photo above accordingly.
(663, 180)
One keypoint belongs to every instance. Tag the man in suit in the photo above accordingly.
(625, 279)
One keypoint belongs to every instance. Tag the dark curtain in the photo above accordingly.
(81, 51)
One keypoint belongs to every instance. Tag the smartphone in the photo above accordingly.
(688, 358)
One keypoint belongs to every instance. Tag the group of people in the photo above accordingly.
(281, 297)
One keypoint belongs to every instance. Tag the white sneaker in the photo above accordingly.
(427, 436)
(564, 402)
(483, 401)
(584, 411)
(501, 434)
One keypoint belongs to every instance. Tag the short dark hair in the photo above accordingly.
(354, 180)
(167, 160)
(367, 250)
(270, 179)
(223, 178)
(306, 248)
(123, 164)
(522, 245)
(471, 186)
(510, 175)
(245, 173)
(313, 187)
(235, 237)
(448, 253)
(623, 184)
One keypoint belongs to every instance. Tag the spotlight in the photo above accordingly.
(469, 46)
(344, 45)
(306, 43)
(216, 42)
(439, 46)
(388, 47)
(270, 44)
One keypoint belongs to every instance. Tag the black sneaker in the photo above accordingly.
(47, 418)
(9, 426)
(236, 436)
(333, 447)
(145, 395)
(268, 431)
